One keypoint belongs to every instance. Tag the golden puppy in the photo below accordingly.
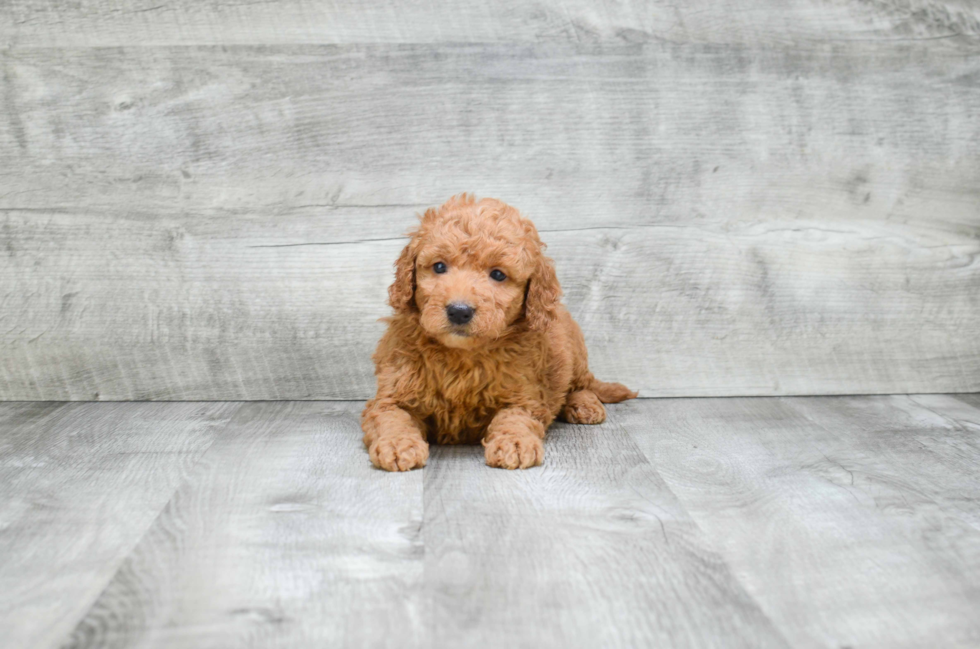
(480, 346)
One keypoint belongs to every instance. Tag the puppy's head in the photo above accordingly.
(472, 270)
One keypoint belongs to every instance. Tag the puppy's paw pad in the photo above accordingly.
(514, 451)
(399, 453)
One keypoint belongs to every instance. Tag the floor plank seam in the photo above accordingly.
(124, 557)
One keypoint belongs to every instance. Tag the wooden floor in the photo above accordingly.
(750, 522)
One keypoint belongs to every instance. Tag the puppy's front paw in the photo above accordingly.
(399, 452)
(514, 451)
(583, 407)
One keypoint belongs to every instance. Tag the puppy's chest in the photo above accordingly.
(466, 397)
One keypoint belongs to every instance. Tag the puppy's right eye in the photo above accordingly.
(439, 268)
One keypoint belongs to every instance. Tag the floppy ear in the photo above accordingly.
(543, 295)
(401, 293)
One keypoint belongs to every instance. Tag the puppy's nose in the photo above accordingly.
(459, 313)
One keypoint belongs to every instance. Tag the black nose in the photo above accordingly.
(459, 313)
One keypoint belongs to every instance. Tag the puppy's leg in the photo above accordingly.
(514, 440)
(394, 439)
(583, 407)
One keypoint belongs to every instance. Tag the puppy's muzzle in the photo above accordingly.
(459, 313)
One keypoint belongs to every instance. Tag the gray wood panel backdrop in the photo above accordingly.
(203, 200)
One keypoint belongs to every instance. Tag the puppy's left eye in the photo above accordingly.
(497, 275)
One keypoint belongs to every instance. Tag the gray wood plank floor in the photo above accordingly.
(804, 522)
(79, 485)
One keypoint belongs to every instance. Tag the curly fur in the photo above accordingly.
(502, 378)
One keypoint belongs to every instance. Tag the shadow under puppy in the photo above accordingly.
(480, 347)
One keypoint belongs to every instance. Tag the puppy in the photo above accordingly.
(480, 347)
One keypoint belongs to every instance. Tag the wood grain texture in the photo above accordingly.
(590, 550)
(79, 485)
(852, 521)
(220, 223)
(48, 23)
(806, 522)
(285, 536)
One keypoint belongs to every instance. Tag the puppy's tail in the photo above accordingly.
(611, 392)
